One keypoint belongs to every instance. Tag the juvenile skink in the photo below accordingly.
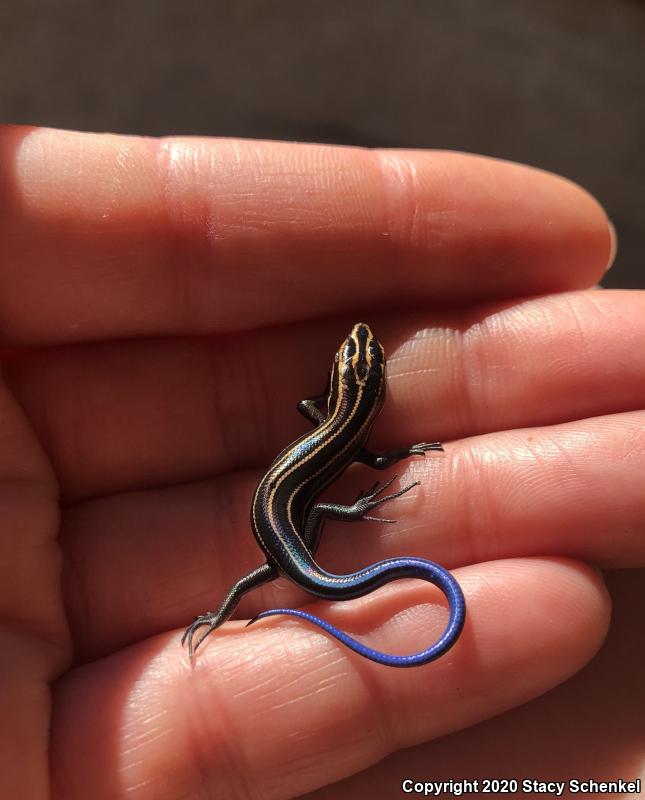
(287, 521)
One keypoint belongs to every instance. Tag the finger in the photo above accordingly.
(556, 490)
(161, 412)
(34, 642)
(614, 679)
(220, 728)
(112, 236)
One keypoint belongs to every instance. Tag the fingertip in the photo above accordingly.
(613, 245)
(521, 229)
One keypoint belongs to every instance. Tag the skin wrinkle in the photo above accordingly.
(631, 447)
(423, 371)
(302, 762)
(566, 315)
(315, 663)
(224, 547)
(603, 311)
(242, 371)
(308, 684)
(465, 463)
(172, 246)
(74, 586)
(471, 368)
(384, 711)
(229, 742)
(408, 185)
(455, 345)
(497, 327)
(580, 341)
(574, 474)
(376, 712)
(39, 544)
(389, 165)
(375, 702)
(221, 368)
(478, 370)
(186, 282)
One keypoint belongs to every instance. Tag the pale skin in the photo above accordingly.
(177, 298)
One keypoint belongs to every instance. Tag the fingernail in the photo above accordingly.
(613, 248)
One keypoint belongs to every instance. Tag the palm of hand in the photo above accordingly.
(156, 444)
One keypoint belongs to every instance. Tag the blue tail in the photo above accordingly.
(448, 585)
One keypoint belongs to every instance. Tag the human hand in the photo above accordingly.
(178, 298)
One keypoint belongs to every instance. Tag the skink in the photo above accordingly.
(287, 522)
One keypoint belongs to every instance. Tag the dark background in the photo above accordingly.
(557, 83)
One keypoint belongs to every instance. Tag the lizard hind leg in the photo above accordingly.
(213, 619)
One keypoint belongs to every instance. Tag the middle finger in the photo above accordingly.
(128, 416)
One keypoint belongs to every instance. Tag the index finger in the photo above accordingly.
(114, 236)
